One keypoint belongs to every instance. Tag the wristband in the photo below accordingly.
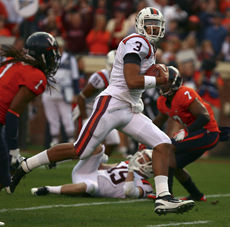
(149, 82)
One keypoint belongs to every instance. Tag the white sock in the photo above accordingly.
(161, 185)
(54, 189)
(35, 161)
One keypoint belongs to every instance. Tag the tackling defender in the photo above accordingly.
(119, 106)
(199, 131)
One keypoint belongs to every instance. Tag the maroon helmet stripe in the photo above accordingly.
(92, 124)
(154, 11)
(139, 36)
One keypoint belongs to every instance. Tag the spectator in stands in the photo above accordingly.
(216, 33)
(209, 83)
(98, 38)
(188, 72)
(118, 27)
(103, 7)
(131, 19)
(75, 32)
(3, 11)
(206, 50)
(226, 20)
(224, 5)
(225, 50)
(13, 19)
(51, 23)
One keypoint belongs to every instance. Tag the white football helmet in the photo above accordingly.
(142, 164)
(151, 24)
(110, 59)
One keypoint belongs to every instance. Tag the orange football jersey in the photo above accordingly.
(14, 75)
(179, 108)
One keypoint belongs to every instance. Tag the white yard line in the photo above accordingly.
(92, 204)
(180, 223)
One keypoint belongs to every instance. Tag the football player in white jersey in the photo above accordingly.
(97, 82)
(119, 106)
(120, 180)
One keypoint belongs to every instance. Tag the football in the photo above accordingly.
(153, 70)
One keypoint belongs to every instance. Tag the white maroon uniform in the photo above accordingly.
(100, 81)
(118, 107)
(108, 183)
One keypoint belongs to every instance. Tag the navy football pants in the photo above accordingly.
(193, 146)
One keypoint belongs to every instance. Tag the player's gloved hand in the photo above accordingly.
(132, 164)
(163, 74)
(180, 135)
(15, 155)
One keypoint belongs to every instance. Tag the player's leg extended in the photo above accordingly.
(143, 130)
(82, 148)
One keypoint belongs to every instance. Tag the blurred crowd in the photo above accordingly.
(197, 33)
(97, 26)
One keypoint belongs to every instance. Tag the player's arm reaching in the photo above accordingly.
(198, 110)
(160, 119)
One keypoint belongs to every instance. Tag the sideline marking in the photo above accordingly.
(92, 204)
(180, 223)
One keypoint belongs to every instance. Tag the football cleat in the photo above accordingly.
(169, 204)
(39, 191)
(199, 199)
(15, 163)
(18, 175)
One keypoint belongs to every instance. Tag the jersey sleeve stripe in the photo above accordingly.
(92, 124)
(13, 112)
(101, 74)
(139, 36)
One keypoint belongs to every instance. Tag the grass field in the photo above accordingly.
(23, 209)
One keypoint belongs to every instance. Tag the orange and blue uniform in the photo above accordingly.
(12, 77)
(197, 142)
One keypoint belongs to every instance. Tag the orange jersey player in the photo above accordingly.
(199, 131)
(179, 109)
(23, 76)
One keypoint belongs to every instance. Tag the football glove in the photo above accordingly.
(180, 135)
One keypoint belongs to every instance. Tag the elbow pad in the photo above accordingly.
(131, 190)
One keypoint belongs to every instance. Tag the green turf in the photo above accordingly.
(212, 176)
